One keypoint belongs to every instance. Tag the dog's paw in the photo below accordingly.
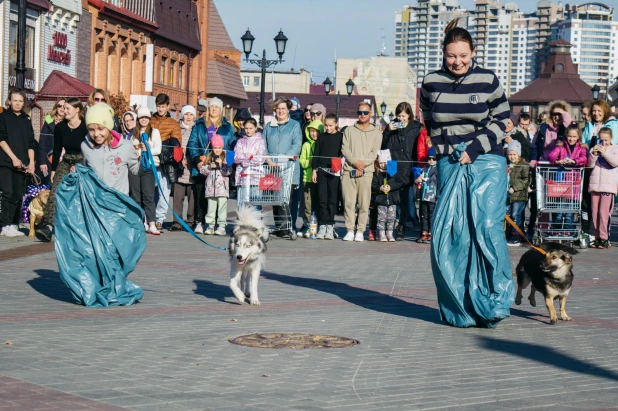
(565, 317)
(532, 302)
(553, 320)
(255, 302)
(518, 301)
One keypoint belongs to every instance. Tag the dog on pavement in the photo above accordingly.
(247, 254)
(550, 274)
(36, 210)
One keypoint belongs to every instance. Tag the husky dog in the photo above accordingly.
(247, 254)
(550, 274)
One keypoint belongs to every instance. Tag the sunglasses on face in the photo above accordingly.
(316, 113)
(556, 114)
(431, 158)
(307, 110)
(60, 106)
(363, 112)
(99, 100)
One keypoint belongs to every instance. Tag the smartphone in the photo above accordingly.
(353, 174)
(399, 124)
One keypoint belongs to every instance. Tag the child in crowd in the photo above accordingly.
(386, 195)
(249, 155)
(142, 186)
(428, 193)
(313, 130)
(603, 182)
(326, 165)
(217, 189)
(519, 181)
(572, 153)
(184, 186)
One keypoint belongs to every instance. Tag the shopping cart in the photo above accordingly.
(559, 191)
(270, 184)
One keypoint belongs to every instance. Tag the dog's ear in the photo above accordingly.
(567, 258)
(264, 234)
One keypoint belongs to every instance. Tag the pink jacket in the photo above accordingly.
(562, 151)
(249, 155)
(551, 135)
(603, 178)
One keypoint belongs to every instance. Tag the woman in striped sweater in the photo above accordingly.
(465, 113)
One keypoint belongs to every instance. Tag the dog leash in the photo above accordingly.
(521, 233)
(178, 218)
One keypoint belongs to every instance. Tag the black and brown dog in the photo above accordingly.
(550, 274)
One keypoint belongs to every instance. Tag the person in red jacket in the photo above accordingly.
(573, 152)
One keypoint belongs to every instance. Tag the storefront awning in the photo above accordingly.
(60, 84)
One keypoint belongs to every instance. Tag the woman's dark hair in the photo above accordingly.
(76, 103)
(251, 121)
(405, 108)
(331, 116)
(455, 34)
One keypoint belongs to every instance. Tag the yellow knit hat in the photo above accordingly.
(101, 114)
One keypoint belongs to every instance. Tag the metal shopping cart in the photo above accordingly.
(270, 184)
(559, 192)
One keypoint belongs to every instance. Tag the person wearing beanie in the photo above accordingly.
(385, 190)
(68, 137)
(142, 186)
(318, 112)
(203, 130)
(519, 181)
(428, 182)
(217, 186)
(185, 186)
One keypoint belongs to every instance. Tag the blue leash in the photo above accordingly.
(150, 162)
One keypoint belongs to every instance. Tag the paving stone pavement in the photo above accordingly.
(171, 351)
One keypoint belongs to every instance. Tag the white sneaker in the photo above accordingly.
(152, 229)
(16, 231)
(198, 229)
(322, 232)
(359, 237)
(7, 232)
(349, 236)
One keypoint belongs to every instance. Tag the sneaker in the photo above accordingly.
(153, 229)
(45, 233)
(427, 239)
(210, 231)
(372, 235)
(16, 231)
(146, 227)
(322, 232)
(198, 229)
(329, 233)
(422, 238)
(603, 244)
(7, 232)
(220, 231)
(301, 232)
(382, 236)
(307, 233)
(513, 243)
(400, 232)
(349, 236)
(335, 232)
(593, 244)
(359, 237)
(389, 237)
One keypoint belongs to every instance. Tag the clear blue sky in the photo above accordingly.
(317, 28)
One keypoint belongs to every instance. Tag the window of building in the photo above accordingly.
(162, 73)
(13, 45)
(172, 64)
(256, 81)
(245, 80)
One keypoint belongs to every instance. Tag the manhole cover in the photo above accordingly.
(293, 340)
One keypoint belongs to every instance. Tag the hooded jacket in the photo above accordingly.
(128, 133)
(46, 141)
(403, 145)
(249, 155)
(361, 145)
(519, 180)
(284, 139)
(198, 142)
(306, 153)
(603, 178)
(562, 151)
(17, 132)
(112, 163)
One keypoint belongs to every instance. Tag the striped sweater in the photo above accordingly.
(471, 108)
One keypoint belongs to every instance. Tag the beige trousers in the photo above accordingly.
(356, 190)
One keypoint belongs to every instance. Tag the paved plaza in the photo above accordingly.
(171, 351)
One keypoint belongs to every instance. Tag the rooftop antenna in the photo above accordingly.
(382, 51)
(294, 59)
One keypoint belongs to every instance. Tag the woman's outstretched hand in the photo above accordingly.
(465, 158)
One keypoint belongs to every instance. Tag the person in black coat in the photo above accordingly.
(46, 139)
(401, 139)
(17, 147)
(513, 133)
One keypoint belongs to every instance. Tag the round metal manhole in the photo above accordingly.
(293, 340)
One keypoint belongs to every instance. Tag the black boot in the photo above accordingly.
(400, 233)
(45, 234)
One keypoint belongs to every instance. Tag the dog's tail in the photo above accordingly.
(557, 246)
(251, 218)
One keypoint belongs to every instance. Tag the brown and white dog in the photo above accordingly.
(36, 209)
(550, 274)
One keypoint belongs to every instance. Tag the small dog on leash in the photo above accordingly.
(247, 254)
(550, 274)
(36, 210)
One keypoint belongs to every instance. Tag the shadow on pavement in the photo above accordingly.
(546, 355)
(49, 284)
(369, 299)
(214, 291)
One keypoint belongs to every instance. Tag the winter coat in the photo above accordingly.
(243, 114)
(249, 155)
(403, 145)
(603, 178)
(298, 115)
(591, 130)
(562, 151)
(429, 186)
(284, 139)
(361, 145)
(167, 126)
(525, 143)
(112, 163)
(46, 142)
(199, 140)
(306, 153)
(217, 180)
(381, 199)
(155, 145)
(519, 180)
(547, 138)
(422, 149)
(17, 132)
(184, 173)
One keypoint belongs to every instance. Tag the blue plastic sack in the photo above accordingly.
(99, 238)
(469, 255)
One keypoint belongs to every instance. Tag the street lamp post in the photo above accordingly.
(595, 92)
(263, 63)
(349, 85)
(391, 116)
(20, 67)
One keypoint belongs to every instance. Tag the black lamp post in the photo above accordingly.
(391, 116)
(263, 63)
(328, 86)
(20, 67)
(595, 92)
(383, 108)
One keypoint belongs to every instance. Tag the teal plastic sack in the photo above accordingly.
(99, 238)
(469, 255)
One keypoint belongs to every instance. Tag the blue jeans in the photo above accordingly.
(514, 210)
(568, 221)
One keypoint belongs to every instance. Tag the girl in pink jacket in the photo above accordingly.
(603, 186)
(249, 155)
(573, 152)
